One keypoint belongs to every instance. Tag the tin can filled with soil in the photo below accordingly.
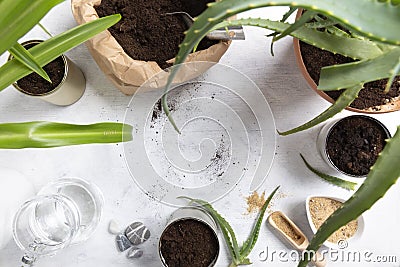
(67, 86)
(351, 145)
(189, 239)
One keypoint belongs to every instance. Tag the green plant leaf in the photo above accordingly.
(296, 25)
(395, 72)
(252, 239)
(23, 56)
(18, 17)
(42, 134)
(330, 179)
(320, 23)
(283, 19)
(346, 75)
(52, 48)
(350, 47)
(381, 177)
(344, 100)
(44, 29)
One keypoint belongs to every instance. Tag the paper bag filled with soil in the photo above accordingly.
(128, 72)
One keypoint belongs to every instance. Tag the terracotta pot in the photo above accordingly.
(68, 91)
(395, 106)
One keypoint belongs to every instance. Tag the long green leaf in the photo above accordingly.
(52, 48)
(252, 239)
(18, 17)
(395, 72)
(345, 75)
(283, 19)
(381, 177)
(42, 134)
(330, 179)
(344, 100)
(25, 57)
(350, 47)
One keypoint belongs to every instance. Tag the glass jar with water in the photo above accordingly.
(65, 212)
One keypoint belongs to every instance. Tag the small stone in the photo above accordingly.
(134, 253)
(122, 242)
(114, 228)
(137, 233)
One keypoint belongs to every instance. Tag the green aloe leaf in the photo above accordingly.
(320, 23)
(25, 57)
(43, 134)
(381, 177)
(344, 100)
(52, 48)
(350, 47)
(395, 72)
(308, 15)
(345, 75)
(330, 179)
(252, 239)
(283, 19)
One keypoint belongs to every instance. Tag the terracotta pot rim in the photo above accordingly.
(386, 108)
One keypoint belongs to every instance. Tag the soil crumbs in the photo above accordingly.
(354, 144)
(189, 243)
(145, 31)
(372, 96)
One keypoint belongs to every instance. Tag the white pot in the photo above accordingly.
(15, 189)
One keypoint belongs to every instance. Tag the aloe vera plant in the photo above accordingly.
(374, 43)
(238, 253)
(375, 39)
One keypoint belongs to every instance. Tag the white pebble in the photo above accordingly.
(114, 228)
(134, 253)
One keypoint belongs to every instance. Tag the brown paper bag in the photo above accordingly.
(126, 73)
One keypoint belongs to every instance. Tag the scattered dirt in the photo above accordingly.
(33, 84)
(321, 208)
(157, 110)
(354, 144)
(371, 96)
(284, 225)
(189, 243)
(145, 32)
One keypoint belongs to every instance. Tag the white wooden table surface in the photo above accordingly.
(292, 103)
